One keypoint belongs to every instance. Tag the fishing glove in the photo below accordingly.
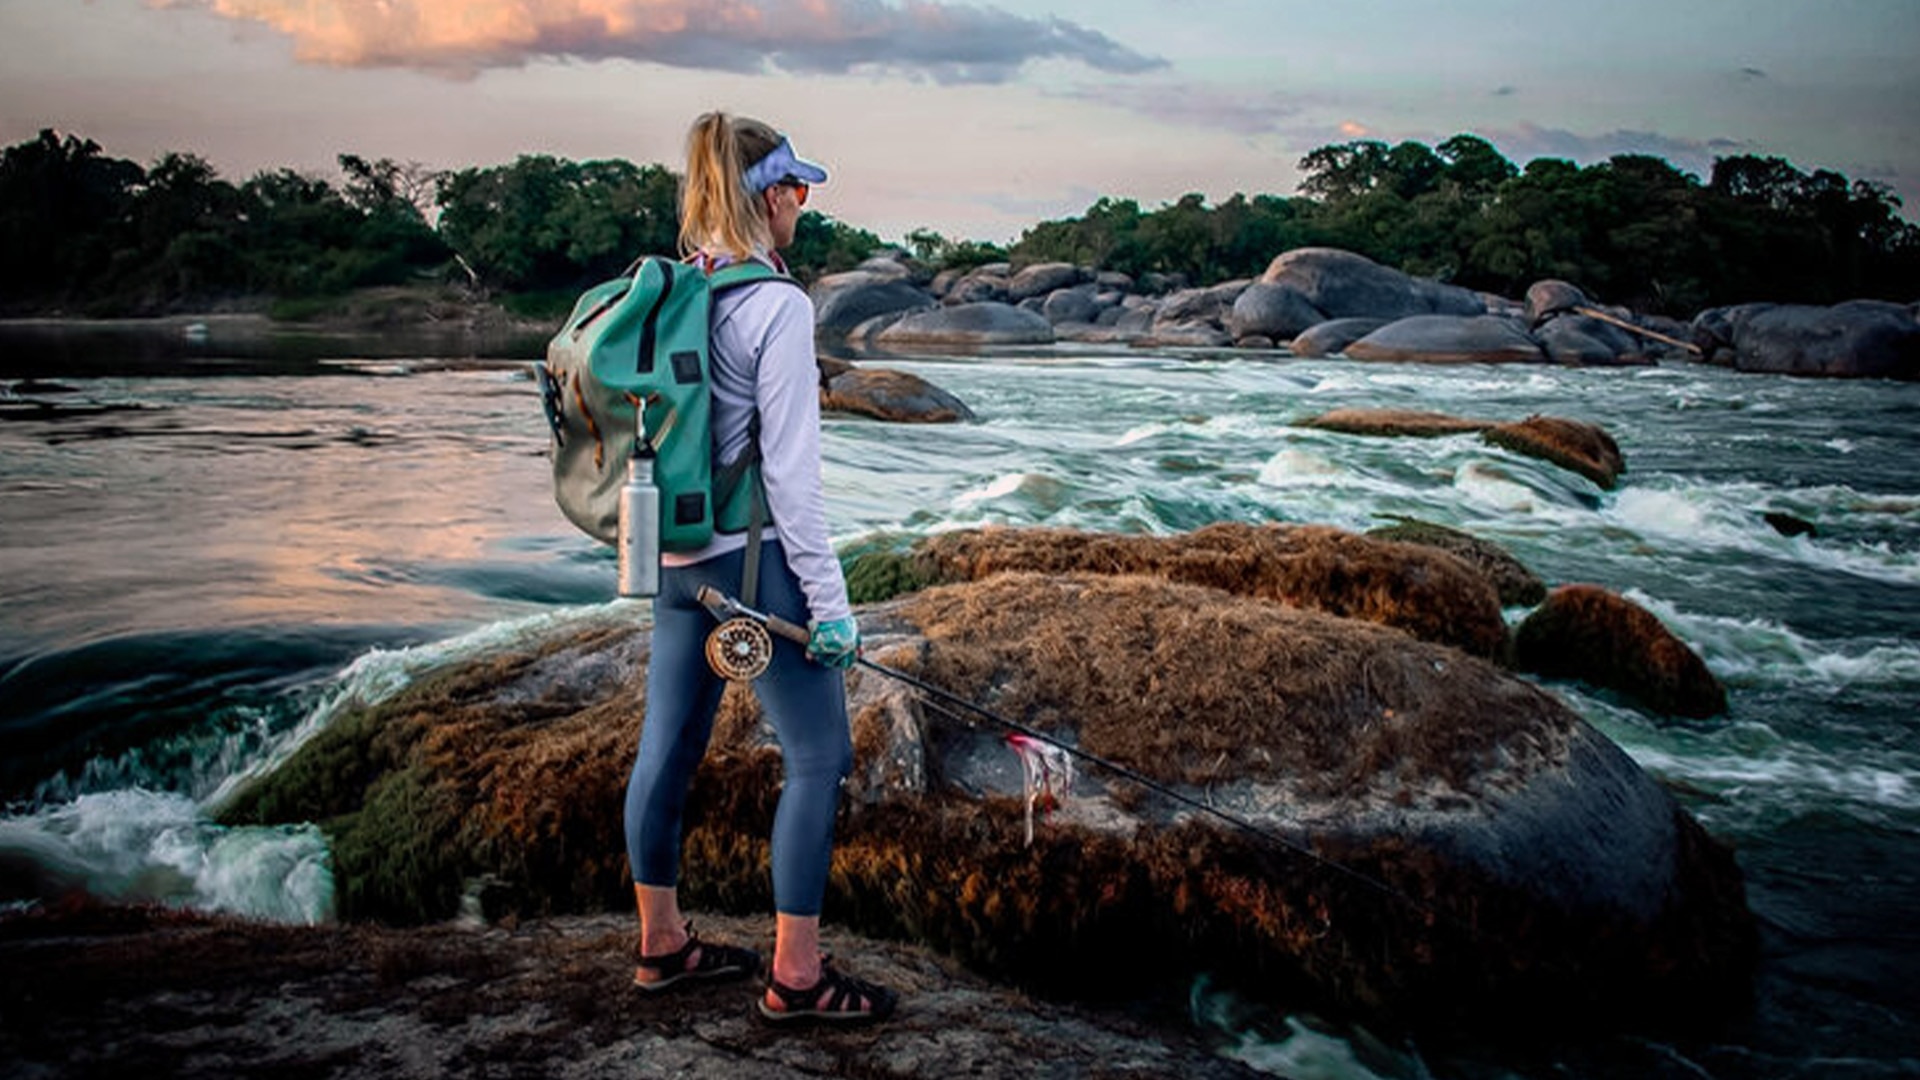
(835, 642)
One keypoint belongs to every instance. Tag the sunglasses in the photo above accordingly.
(800, 189)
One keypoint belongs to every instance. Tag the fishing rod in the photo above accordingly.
(739, 648)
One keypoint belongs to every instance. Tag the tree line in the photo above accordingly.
(83, 231)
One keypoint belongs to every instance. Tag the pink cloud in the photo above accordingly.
(949, 43)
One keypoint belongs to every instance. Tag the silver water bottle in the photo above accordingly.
(640, 526)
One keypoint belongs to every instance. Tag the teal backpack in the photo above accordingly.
(642, 338)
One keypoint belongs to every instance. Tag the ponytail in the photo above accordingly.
(717, 212)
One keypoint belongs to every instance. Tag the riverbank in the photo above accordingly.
(118, 991)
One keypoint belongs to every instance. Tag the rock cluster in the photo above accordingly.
(1433, 839)
(1317, 302)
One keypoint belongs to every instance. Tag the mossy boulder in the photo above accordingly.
(1393, 422)
(1424, 592)
(1517, 585)
(895, 396)
(1573, 445)
(1588, 633)
(1442, 841)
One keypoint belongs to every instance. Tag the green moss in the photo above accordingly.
(882, 566)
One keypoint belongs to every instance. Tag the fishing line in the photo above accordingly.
(731, 611)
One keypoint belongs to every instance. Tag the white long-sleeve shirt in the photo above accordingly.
(762, 358)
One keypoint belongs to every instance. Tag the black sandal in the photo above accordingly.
(715, 962)
(835, 999)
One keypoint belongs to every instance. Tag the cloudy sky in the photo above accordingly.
(976, 119)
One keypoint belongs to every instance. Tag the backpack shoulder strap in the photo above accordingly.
(745, 272)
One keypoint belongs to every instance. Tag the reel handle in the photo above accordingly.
(711, 597)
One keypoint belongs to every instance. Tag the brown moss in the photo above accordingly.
(1571, 444)
(1393, 422)
(1586, 632)
(1426, 593)
(1516, 585)
(1185, 685)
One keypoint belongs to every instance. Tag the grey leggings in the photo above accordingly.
(806, 703)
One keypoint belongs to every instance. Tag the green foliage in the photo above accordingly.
(543, 223)
(78, 228)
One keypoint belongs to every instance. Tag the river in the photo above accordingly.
(204, 547)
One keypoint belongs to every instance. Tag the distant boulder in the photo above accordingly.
(1551, 297)
(1858, 339)
(1583, 341)
(1041, 279)
(1077, 304)
(1448, 339)
(1588, 633)
(891, 395)
(969, 324)
(1332, 336)
(981, 285)
(1274, 311)
(844, 301)
(1345, 285)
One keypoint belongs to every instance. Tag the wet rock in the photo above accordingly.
(969, 324)
(1393, 422)
(1274, 311)
(1195, 334)
(1788, 525)
(1332, 336)
(1856, 339)
(892, 395)
(1516, 585)
(1448, 339)
(1410, 588)
(1504, 862)
(844, 301)
(1573, 445)
(1588, 633)
(1345, 285)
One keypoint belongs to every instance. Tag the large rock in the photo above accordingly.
(1584, 341)
(1332, 336)
(1078, 304)
(1857, 339)
(1344, 285)
(1586, 632)
(1043, 278)
(1275, 311)
(1439, 842)
(897, 396)
(1448, 339)
(969, 324)
(1551, 297)
(1415, 589)
(844, 301)
(1574, 445)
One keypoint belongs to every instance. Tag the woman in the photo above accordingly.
(742, 199)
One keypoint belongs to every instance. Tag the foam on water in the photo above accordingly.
(155, 847)
(129, 842)
(1760, 652)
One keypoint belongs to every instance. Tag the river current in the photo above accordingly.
(203, 555)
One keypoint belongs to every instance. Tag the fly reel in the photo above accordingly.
(739, 650)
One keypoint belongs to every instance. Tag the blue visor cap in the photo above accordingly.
(780, 163)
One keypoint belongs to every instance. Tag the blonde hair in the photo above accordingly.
(717, 212)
